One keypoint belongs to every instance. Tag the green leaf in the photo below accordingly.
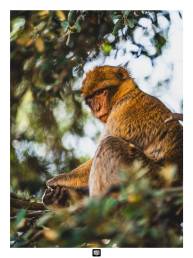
(160, 41)
(126, 13)
(131, 23)
(17, 25)
(116, 17)
(71, 17)
(65, 25)
(40, 26)
(109, 203)
(42, 220)
(106, 48)
(117, 27)
(77, 26)
(20, 216)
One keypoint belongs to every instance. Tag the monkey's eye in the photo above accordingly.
(89, 99)
(98, 92)
(101, 91)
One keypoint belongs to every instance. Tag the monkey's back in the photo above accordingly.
(140, 119)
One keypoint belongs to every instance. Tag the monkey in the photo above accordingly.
(138, 126)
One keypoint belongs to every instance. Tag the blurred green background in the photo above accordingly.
(52, 130)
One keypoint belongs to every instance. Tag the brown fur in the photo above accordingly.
(134, 119)
(102, 77)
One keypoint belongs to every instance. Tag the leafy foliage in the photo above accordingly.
(138, 217)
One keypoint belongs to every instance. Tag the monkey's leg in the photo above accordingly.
(112, 156)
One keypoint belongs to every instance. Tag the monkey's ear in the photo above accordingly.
(122, 74)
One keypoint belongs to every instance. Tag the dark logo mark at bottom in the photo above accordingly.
(96, 252)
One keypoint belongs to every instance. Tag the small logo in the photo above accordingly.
(96, 252)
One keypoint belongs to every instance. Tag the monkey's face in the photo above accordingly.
(99, 103)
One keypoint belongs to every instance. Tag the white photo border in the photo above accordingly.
(186, 8)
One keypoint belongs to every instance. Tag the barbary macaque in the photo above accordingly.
(137, 127)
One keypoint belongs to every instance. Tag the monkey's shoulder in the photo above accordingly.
(142, 107)
(142, 121)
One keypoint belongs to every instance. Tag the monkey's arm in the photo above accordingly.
(77, 178)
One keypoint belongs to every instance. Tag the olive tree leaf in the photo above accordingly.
(117, 27)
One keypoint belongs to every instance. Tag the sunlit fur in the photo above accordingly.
(102, 77)
(135, 130)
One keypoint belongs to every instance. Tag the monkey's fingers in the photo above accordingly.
(56, 197)
(64, 197)
(56, 193)
(47, 197)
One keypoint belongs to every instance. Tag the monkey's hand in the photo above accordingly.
(60, 197)
(56, 197)
(67, 188)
